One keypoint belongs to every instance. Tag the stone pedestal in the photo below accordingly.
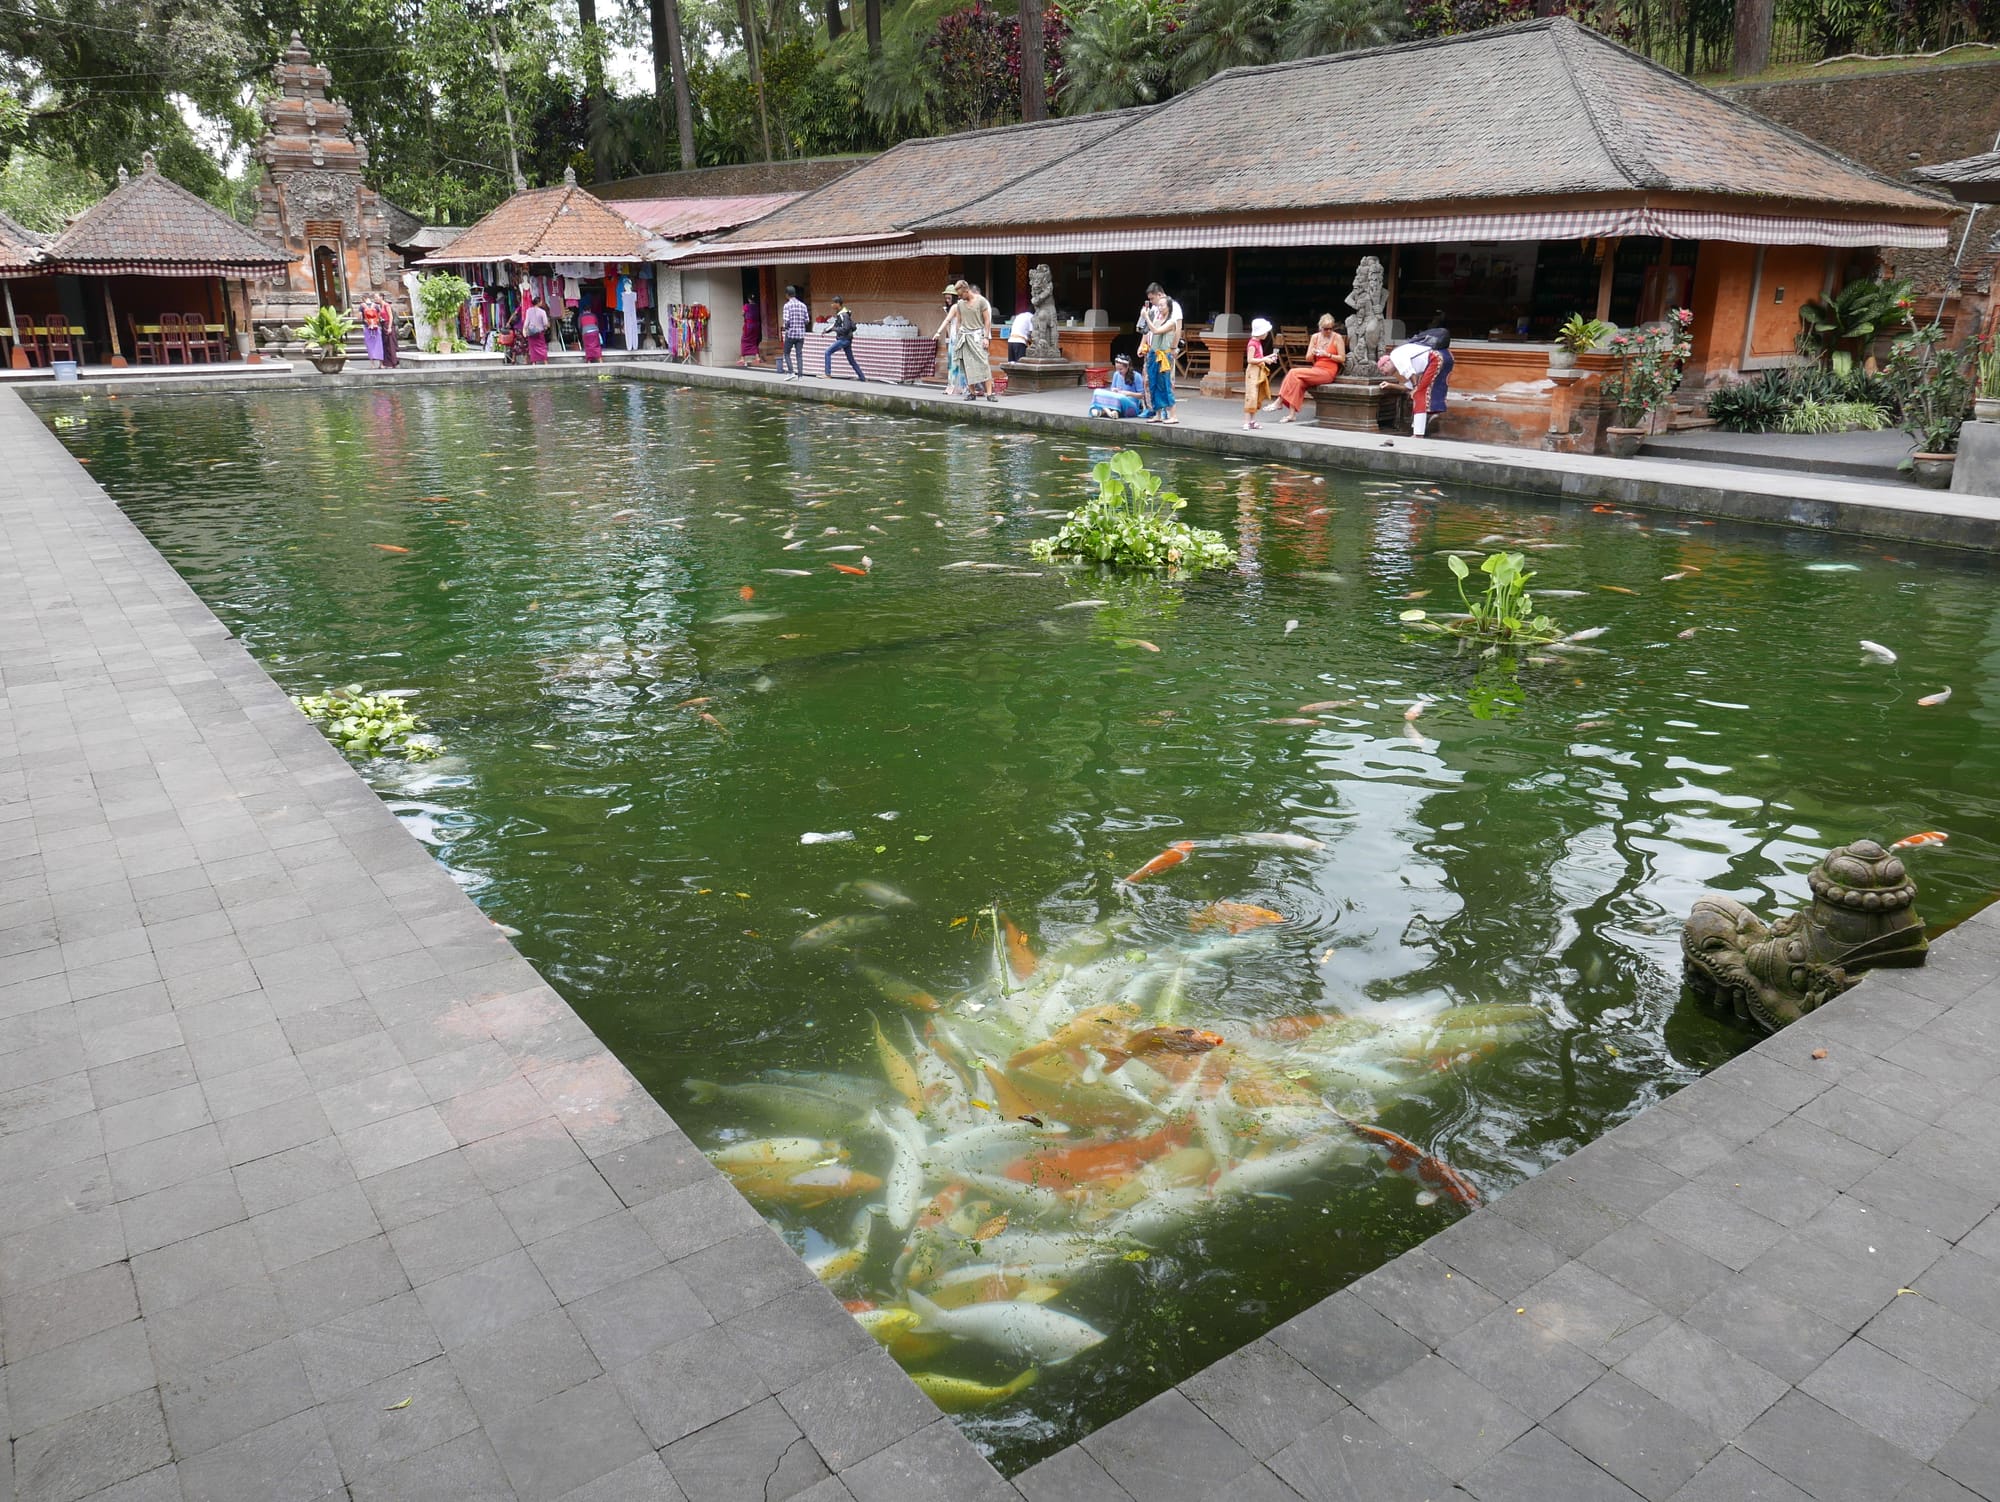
(1225, 362)
(1353, 404)
(1030, 376)
(1977, 471)
(1087, 344)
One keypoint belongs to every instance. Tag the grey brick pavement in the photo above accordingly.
(289, 1134)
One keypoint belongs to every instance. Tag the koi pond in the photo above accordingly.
(821, 802)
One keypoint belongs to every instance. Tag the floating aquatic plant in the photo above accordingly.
(1133, 522)
(1503, 613)
(368, 725)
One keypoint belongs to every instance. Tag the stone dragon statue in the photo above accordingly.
(1862, 916)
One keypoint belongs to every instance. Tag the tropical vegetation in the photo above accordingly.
(1649, 364)
(1133, 522)
(1501, 614)
(1934, 386)
(368, 725)
(1805, 397)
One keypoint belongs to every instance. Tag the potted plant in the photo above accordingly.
(1647, 373)
(1846, 323)
(1578, 336)
(1986, 373)
(440, 296)
(325, 338)
(1934, 389)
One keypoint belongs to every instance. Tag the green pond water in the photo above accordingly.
(576, 563)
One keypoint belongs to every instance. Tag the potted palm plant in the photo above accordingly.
(1934, 389)
(1986, 374)
(325, 338)
(1578, 336)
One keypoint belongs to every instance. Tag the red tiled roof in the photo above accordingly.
(682, 218)
(153, 226)
(1543, 109)
(540, 225)
(18, 245)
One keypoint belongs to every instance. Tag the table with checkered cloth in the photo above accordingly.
(882, 359)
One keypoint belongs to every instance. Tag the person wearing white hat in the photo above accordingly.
(1258, 358)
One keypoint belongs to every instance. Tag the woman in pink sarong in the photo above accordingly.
(586, 330)
(535, 330)
(1324, 356)
(753, 332)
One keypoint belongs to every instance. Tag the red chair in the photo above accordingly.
(172, 340)
(61, 345)
(194, 329)
(145, 346)
(25, 340)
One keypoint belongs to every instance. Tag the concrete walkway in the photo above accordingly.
(1856, 456)
(310, 1187)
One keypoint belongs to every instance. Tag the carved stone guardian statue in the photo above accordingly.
(1353, 403)
(1045, 367)
(1862, 916)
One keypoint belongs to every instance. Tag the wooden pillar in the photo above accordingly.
(1020, 283)
(111, 326)
(1389, 287)
(1096, 285)
(1604, 278)
(1229, 280)
(19, 358)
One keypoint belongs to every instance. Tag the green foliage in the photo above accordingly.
(44, 193)
(1114, 58)
(366, 725)
(1133, 522)
(1810, 415)
(1218, 34)
(1754, 406)
(1986, 367)
(1649, 366)
(1580, 335)
(327, 330)
(1315, 28)
(1504, 612)
(1855, 314)
(1934, 386)
(440, 296)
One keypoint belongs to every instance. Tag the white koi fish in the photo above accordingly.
(1032, 1332)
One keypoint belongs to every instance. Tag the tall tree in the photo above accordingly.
(835, 25)
(1112, 58)
(593, 83)
(1220, 34)
(670, 73)
(1753, 37)
(872, 12)
(746, 14)
(1034, 63)
(1318, 27)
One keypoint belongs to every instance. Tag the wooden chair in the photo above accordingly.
(145, 340)
(1191, 364)
(62, 345)
(172, 341)
(24, 339)
(194, 330)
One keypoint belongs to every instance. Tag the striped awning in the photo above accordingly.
(1577, 224)
(254, 272)
(1677, 224)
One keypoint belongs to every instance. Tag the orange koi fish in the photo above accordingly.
(1173, 855)
(1020, 958)
(435, 500)
(746, 592)
(1290, 1029)
(1618, 589)
(690, 703)
(1407, 1158)
(1064, 1167)
(1186, 1042)
(712, 720)
(1318, 705)
(1084, 1028)
(388, 547)
(1927, 701)
(1134, 641)
(848, 568)
(1236, 917)
(1928, 837)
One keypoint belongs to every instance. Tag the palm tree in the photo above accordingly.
(1222, 34)
(1111, 59)
(1317, 27)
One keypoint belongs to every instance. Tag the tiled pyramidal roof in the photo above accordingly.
(150, 224)
(563, 223)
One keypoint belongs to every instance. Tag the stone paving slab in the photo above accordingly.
(257, 1187)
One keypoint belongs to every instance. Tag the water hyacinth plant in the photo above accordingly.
(367, 725)
(1503, 614)
(1133, 522)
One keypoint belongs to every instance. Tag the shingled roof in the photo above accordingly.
(918, 178)
(1544, 109)
(1970, 179)
(18, 245)
(542, 225)
(151, 226)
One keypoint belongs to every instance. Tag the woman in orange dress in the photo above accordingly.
(1323, 360)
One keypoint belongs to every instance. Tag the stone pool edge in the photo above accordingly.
(1813, 503)
(1544, 1342)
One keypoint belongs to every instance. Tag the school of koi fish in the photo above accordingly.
(1062, 1116)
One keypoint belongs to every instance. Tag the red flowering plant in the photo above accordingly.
(1650, 359)
(975, 55)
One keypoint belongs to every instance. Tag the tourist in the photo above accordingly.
(842, 329)
(1123, 397)
(392, 352)
(371, 328)
(753, 332)
(972, 338)
(1423, 371)
(535, 329)
(947, 329)
(795, 320)
(1019, 333)
(1258, 358)
(588, 335)
(1161, 322)
(1326, 351)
